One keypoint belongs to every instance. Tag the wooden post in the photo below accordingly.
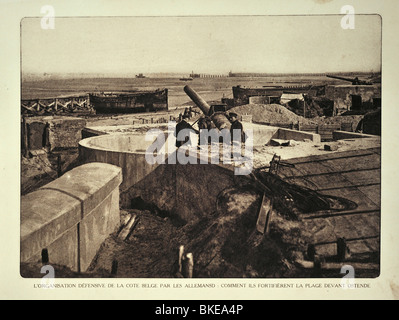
(269, 218)
(342, 249)
(317, 266)
(25, 137)
(114, 269)
(311, 252)
(45, 257)
(126, 231)
(59, 166)
(189, 265)
(181, 254)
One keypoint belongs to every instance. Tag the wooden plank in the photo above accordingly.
(127, 230)
(373, 193)
(347, 164)
(28, 108)
(328, 181)
(366, 177)
(355, 195)
(311, 169)
(338, 265)
(355, 226)
(328, 173)
(329, 214)
(308, 128)
(264, 215)
(335, 155)
(356, 248)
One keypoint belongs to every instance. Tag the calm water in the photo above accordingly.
(208, 88)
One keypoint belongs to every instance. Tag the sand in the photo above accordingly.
(270, 113)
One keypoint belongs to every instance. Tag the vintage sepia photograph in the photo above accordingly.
(201, 146)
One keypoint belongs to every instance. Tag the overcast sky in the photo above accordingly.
(203, 44)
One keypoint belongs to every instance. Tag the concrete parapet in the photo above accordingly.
(88, 132)
(288, 134)
(340, 135)
(126, 151)
(259, 100)
(71, 216)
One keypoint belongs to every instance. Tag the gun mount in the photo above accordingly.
(355, 81)
(217, 115)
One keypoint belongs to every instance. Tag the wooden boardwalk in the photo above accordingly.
(353, 175)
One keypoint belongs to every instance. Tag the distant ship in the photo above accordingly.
(129, 102)
(140, 75)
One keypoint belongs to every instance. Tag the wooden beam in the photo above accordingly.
(126, 231)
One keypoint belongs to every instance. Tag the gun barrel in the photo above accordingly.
(220, 120)
(354, 81)
(201, 103)
(340, 78)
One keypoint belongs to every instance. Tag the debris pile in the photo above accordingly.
(270, 113)
(36, 171)
(41, 167)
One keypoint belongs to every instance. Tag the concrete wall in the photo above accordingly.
(340, 135)
(288, 134)
(342, 95)
(126, 151)
(187, 190)
(52, 132)
(71, 216)
(259, 100)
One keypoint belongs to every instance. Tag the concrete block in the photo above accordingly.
(97, 226)
(37, 153)
(262, 134)
(63, 251)
(45, 217)
(71, 216)
(279, 142)
(330, 147)
(88, 132)
(288, 134)
(89, 183)
(65, 132)
(36, 134)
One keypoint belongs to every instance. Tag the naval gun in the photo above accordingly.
(216, 113)
(355, 81)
